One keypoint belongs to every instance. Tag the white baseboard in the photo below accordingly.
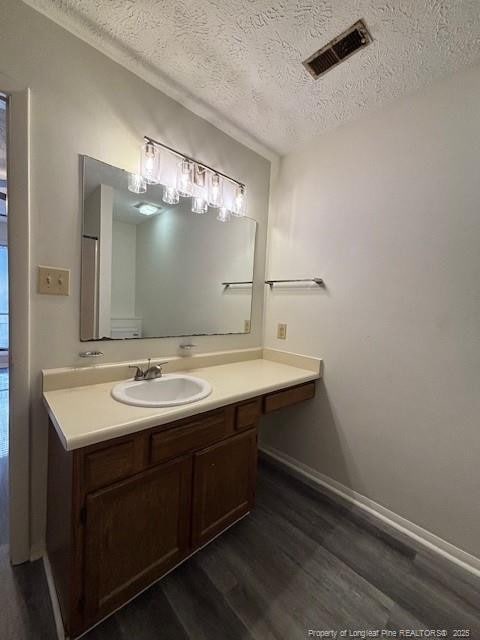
(54, 599)
(420, 537)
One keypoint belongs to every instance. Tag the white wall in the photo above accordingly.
(83, 103)
(387, 210)
(124, 257)
(182, 259)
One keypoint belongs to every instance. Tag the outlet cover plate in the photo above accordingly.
(53, 281)
(282, 331)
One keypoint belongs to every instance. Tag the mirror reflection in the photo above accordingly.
(150, 269)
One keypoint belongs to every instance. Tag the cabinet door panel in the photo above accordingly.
(135, 531)
(224, 485)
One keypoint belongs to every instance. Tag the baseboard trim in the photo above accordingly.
(57, 616)
(420, 537)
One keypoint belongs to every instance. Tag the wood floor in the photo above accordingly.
(298, 562)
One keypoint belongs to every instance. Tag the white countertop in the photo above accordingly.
(88, 414)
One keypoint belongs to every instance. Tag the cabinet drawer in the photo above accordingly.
(190, 436)
(247, 414)
(110, 464)
(285, 398)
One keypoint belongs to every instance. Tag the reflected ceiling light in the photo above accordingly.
(184, 178)
(239, 202)
(147, 209)
(150, 163)
(136, 183)
(215, 190)
(170, 195)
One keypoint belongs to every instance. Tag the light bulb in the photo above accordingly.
(215, 190)
(239, 203)
(184, 178)
(199, 204)
(136, 183)
(170, 195)
(223, 214)
(150, 163)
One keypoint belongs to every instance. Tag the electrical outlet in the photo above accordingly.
(53, 281)
(246, 326)
(282, 331)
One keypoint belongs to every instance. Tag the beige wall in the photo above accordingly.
(83, 103)
(387, 210)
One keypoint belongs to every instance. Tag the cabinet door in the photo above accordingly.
(223, 485)
(135, 531)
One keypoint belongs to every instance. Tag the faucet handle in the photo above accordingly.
(139, 374)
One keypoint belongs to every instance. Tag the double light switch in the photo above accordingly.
(53, 281)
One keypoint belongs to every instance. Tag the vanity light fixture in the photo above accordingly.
(150, 163)
(136, 183)
(170, 195)
(182, 176)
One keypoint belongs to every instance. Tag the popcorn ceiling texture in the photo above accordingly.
(241, 59)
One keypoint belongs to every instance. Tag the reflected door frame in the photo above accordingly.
(19, 273)
(4, 355)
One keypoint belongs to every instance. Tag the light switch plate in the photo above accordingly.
(53, 281)
(282, 331)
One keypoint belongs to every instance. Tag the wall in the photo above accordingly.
(124, 258)
(386, 210)
(83, 103)
(177, 275)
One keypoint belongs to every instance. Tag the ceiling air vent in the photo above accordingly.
(338, 50)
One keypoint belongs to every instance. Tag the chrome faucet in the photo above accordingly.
(150, 373)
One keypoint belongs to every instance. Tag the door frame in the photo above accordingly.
(18, 176)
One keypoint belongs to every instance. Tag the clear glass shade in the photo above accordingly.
(199, 204)
(223, 214)
(239, 201)
(150, 163)
(170, 195)
(136, 183)
(215, 190)
(185, 178)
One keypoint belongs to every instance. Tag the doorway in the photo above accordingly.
(4, 331)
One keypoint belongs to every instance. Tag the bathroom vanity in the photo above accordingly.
(123, 510)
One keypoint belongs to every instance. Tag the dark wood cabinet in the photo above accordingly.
(224, 485)
(135, 531)
(122, 513)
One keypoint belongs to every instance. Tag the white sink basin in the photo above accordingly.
(168, 391)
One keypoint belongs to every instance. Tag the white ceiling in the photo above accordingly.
(238, 62)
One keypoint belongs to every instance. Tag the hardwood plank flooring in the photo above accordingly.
(298, 562)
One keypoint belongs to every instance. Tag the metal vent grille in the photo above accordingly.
(338, 50)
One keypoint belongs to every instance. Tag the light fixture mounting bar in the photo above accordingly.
(197, 162)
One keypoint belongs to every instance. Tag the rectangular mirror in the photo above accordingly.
(152, 270)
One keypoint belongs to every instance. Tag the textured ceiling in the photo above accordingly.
(240, 60)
